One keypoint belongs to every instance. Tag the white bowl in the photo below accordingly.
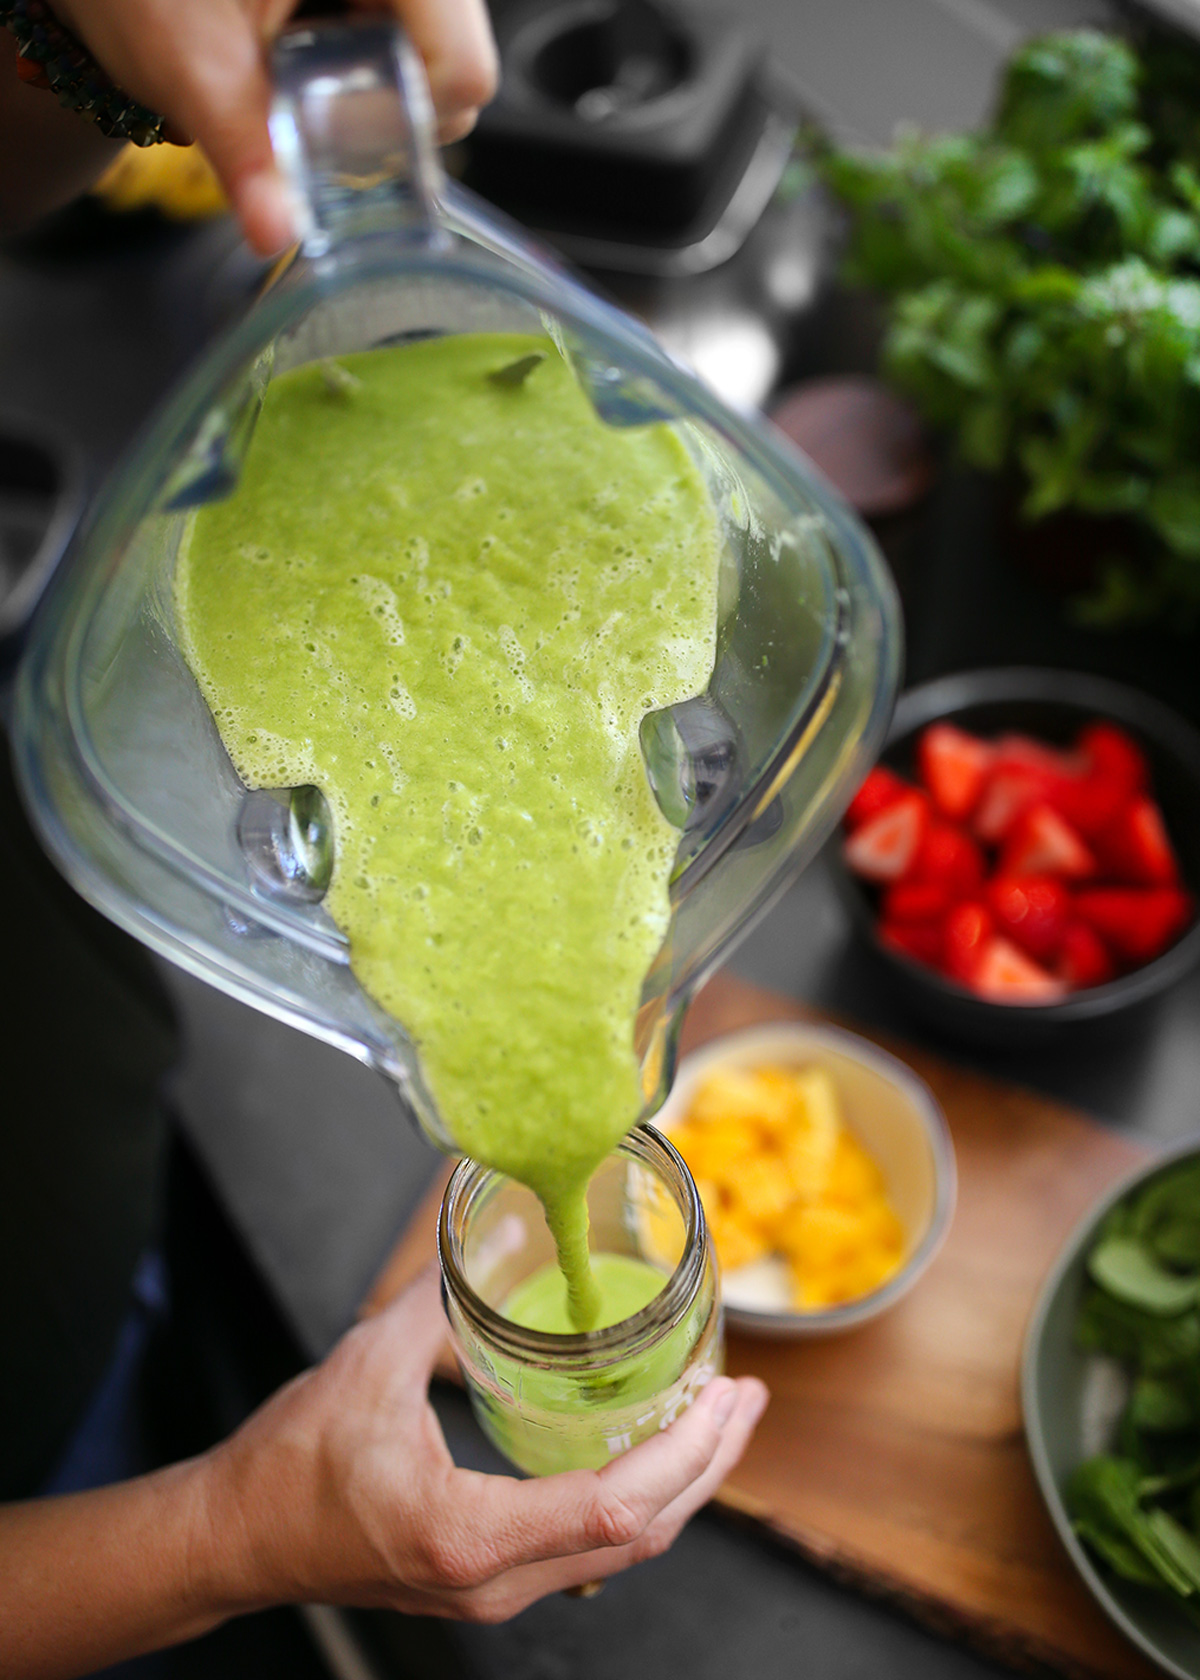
(895, 1118)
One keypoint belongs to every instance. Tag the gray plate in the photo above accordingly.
(1064, 1394)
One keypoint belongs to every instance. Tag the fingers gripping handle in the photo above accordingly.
(352, 128)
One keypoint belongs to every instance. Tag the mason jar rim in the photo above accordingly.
(588, 1349)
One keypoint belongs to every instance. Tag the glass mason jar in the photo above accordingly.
(566, 1402)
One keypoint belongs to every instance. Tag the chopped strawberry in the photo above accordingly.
(1006, 975)
(1089, 802)
(948, 857)
(1136, 923)
(914, 901)
(953, 766)
(1022, 752)
(922, 941)
(1083, 959)
(1042, 843)
(881, 788)
(1007, 794)
(1032, 911)
(1111, 751)
(883, 847)
(1135, 847)
(966, 931)
(988, 869)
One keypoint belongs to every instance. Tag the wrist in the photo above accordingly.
(229, 1537)
(253, 1514)
(52, 56)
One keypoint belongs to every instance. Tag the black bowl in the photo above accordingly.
(1051, 706)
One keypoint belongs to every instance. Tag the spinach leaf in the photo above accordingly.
(1138, 1507)
(1162, 1405)
(1127, 1270)
(1103, 1494)
(1176, 1543)
(1117, 1551)
(1166, 1216)
(1155, 1346)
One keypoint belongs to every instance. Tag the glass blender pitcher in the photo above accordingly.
(122, 767)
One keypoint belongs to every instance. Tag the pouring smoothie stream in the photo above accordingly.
(447, 599)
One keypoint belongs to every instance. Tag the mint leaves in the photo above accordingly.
(1138, 1508)
(1045, 284)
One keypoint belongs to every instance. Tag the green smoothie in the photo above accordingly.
(624, 1284)
(447, 600)
(548, 1415)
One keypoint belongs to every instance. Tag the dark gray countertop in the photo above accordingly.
(311, 1153)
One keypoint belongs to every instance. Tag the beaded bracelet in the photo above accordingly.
(66, 67)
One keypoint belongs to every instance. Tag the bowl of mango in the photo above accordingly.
(826, 1172)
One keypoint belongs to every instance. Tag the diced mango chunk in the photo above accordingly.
(737, 1243)
(817, 1237)
(848, 1282)
(853, 1175)
(819, 1096)
(712, 1148)
(760, 1189)
(779, 1172)
(732, 1094)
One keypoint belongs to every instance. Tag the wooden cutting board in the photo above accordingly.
(893, 1456)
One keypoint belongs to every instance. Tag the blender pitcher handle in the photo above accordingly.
(352, 130)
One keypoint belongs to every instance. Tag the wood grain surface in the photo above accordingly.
(893, 1456)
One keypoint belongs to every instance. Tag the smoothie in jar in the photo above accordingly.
(550, 1399)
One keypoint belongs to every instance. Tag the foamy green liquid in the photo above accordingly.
(546, 1413)
(448, 603)
(623, 1283)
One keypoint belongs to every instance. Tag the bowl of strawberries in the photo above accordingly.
(1027, 851)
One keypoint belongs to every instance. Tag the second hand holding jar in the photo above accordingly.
(552, 1401)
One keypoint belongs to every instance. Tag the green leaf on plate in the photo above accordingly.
(1177, 1241)
(1163, 1405)
(1167, 1216)
(1177, 1543)
(1118, 1552)
(1103, 1495)
(1127, 1270)
(1179, 1481)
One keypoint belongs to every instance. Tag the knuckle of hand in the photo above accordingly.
(657, 1539)
(447, 1562)
(702, 1454)
(489, 1607)
(484, 1611)
(697, 1447)
(614, 1522)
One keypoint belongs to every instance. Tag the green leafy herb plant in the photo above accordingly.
(1044, 286)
